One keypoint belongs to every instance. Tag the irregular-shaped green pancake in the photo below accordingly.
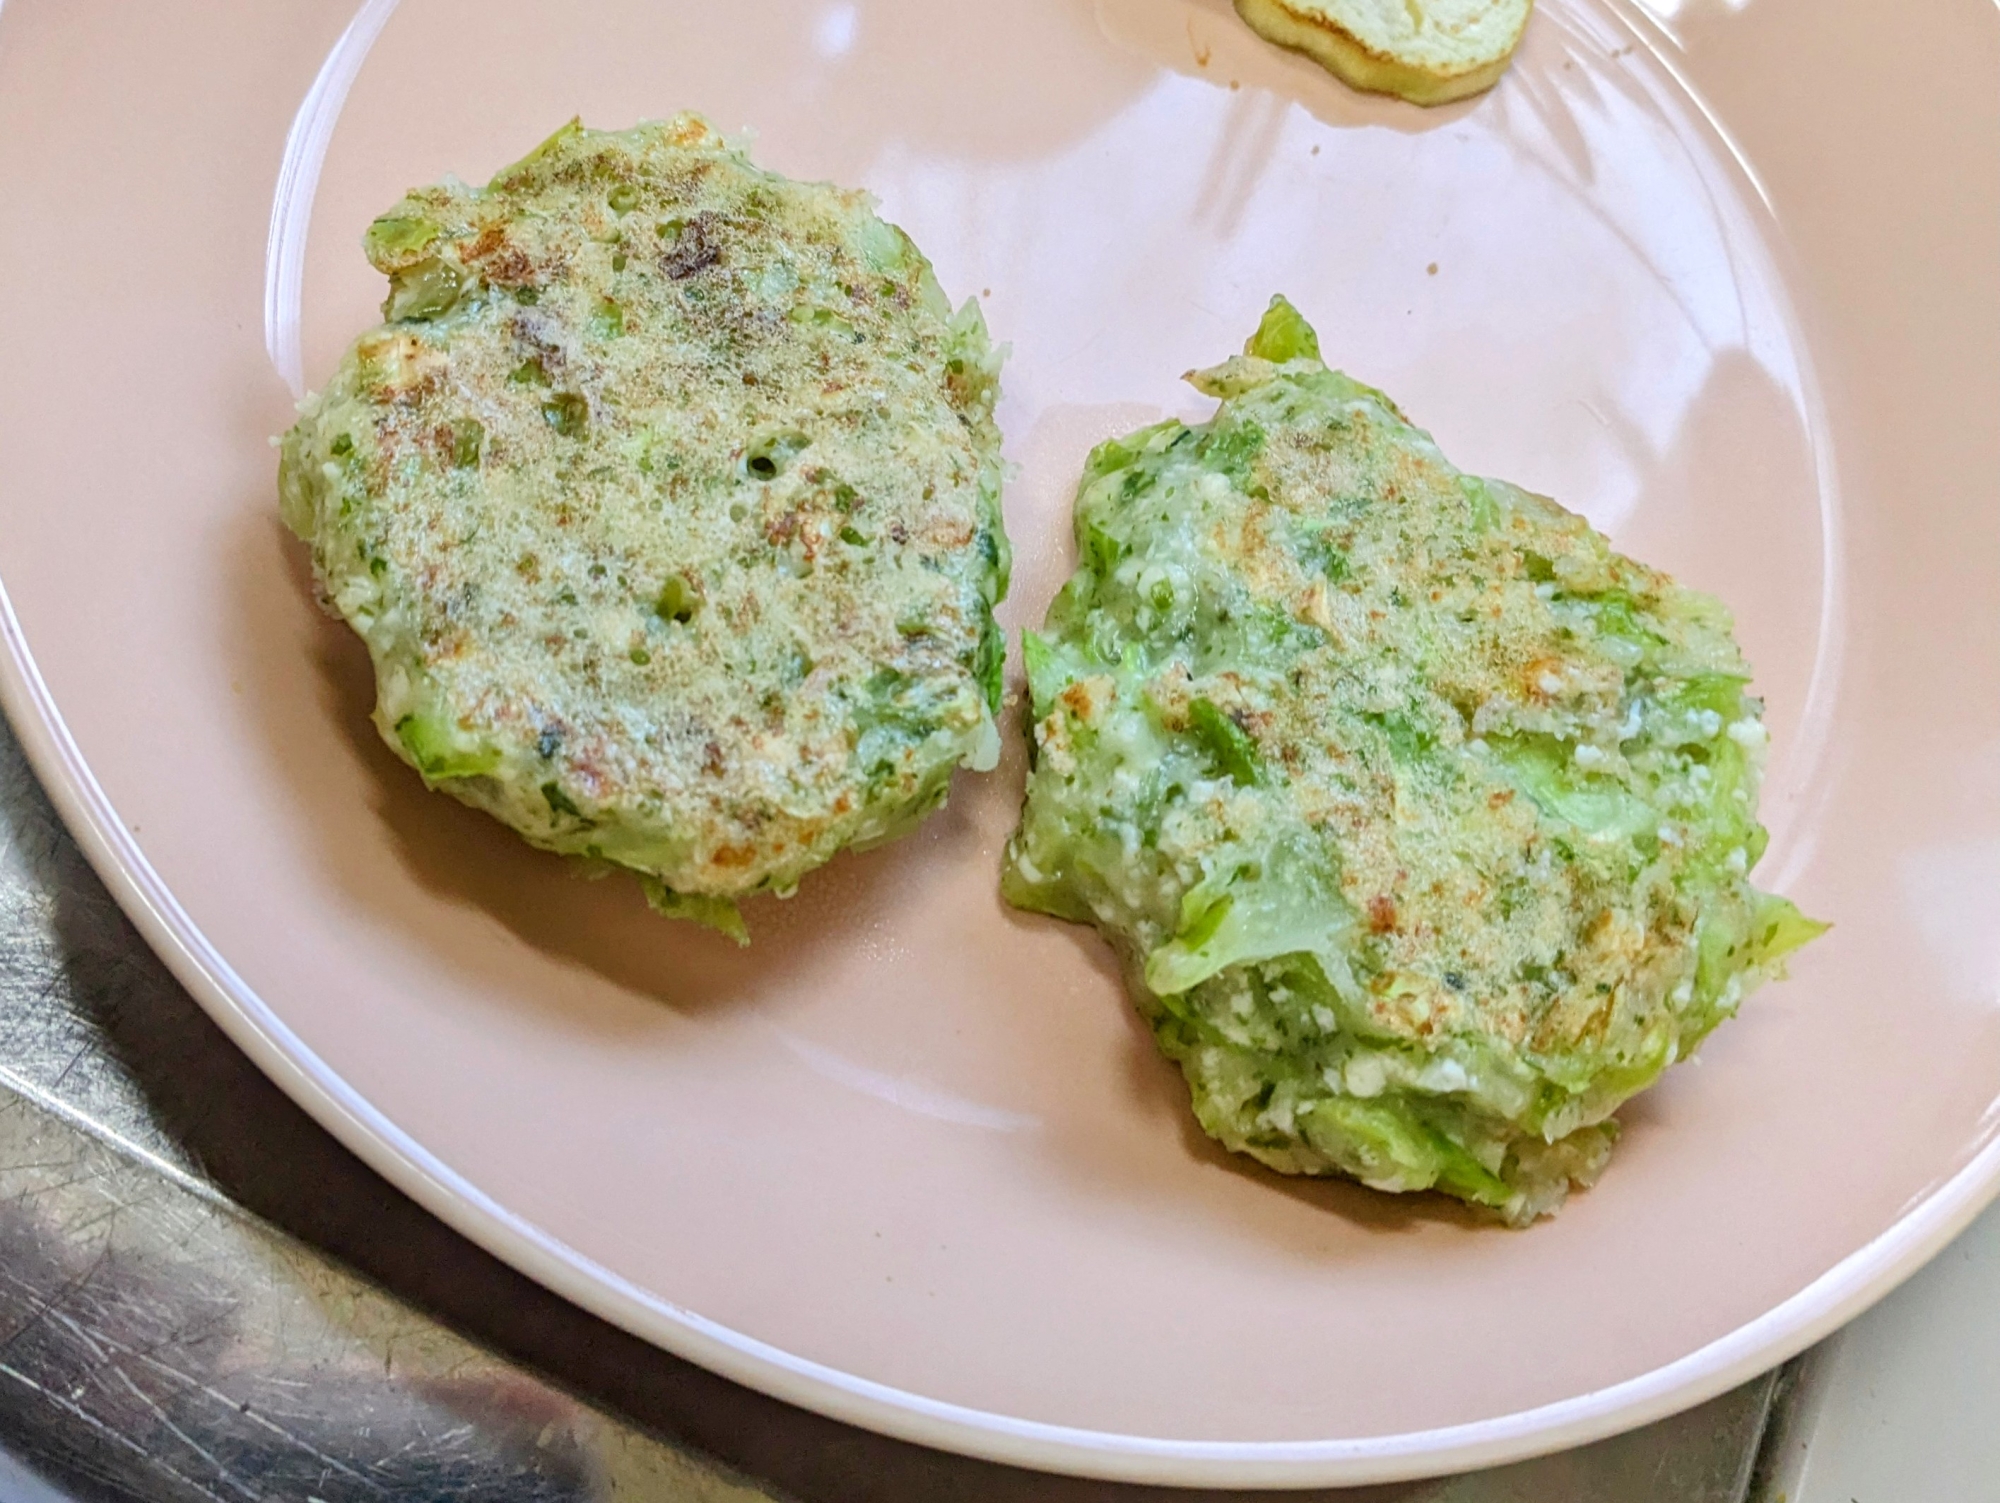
(667, 501)
(1422, 818)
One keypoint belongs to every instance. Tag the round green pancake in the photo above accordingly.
(1422, 817)
(667, 503)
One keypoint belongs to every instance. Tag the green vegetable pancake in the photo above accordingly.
(1422, 818)
(667, 501)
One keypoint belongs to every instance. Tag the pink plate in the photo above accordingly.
(1723, 274)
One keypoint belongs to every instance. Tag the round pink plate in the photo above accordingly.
(1722, 274)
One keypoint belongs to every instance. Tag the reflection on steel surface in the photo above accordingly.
(158, 1343)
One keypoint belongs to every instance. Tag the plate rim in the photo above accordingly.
(1922, 1229)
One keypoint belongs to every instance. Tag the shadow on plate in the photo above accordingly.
(464, 858)
(1152, 1085)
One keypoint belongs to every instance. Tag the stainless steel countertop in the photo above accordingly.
(203, 1296)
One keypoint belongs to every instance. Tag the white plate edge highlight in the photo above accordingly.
(1829, 1301)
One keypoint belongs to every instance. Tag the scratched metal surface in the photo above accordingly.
(203, 1297)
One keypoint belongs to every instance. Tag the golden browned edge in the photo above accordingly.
(1360, 66)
